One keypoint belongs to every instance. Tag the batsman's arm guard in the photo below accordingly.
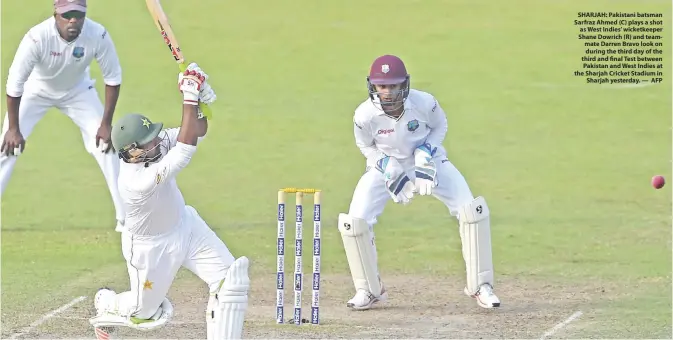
(475, 234)
(360, 253)
(226, 309)
(160, 318)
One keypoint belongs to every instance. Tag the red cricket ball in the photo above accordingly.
(658, 182)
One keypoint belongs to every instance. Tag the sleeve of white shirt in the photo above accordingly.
(169, 166)
(26, 57)
(108, 60)
(172, 134)
(437, 123)
(365, 141)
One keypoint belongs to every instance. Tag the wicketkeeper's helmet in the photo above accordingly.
(389, 70)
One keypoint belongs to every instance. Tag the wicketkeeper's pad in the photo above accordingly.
(475, 233)
(360, 253)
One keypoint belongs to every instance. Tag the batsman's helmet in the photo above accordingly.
(131, 132)
(389, 70)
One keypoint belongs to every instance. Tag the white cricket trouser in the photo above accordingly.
(86, 110)
(371, 195)
(153, 262)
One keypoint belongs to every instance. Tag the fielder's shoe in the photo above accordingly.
(364, 300)
(485, 296)
(103, 298)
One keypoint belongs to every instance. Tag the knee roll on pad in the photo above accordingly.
(226, 309)
(360, 253)
(475, 234)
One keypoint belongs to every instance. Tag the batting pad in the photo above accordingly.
(475, 234)
(360, 253)
(212, 316)
(230, 303)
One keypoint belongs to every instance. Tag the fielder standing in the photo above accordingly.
(400, 132)
(163, 234)
(51, 69)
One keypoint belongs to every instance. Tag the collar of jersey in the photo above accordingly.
(408, 105)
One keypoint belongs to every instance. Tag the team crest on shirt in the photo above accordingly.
(78, 52)
(161, 175)
(412, 125)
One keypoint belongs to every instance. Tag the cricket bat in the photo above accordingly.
(161, 20)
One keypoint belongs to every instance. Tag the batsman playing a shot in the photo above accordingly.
(51, 69)
(163, 234)
(400, 132)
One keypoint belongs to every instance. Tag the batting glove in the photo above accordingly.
(426, 169)
(398, 184)
(190, 85)
(207, 94)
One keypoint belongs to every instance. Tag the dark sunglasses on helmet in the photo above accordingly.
(73, 15)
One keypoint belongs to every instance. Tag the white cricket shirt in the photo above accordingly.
(378, 135)
(46, 64)
(154, 203)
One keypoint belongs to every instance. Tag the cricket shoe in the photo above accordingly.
(364, 300)
(484, 296)
(104, 297)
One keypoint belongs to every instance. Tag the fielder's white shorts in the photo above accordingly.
(85, 109)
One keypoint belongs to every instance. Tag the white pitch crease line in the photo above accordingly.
(556, 328)
(172, 322)
(46, 317)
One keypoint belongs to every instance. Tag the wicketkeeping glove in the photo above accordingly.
(426, 169)
(398, 184)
